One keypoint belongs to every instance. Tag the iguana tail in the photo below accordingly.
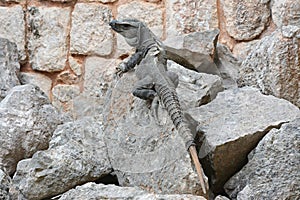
(170, 100)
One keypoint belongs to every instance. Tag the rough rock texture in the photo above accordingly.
(203, 88)
(142, 153)
(40, 80)
(90, 32)
(47, 42)
(228, 66)
(5, 182)
(274, 67)
(190, 16)
(233, 124)
(147, 13)
(245, 20)
(27, 121)
(195, 51)
(100, 191)
(273, 167)
(64, 95)
(98, 78)
(75, 66)
(9, 67)
(76, 155)
(285, 12)
(241, 50)
(12, 27)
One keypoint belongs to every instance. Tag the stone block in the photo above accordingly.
(12, 27)
(285, 12)
(90, 32)
(233, 123)
(47, 37)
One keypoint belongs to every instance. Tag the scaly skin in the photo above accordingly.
(154, 79)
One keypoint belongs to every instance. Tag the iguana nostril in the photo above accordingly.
(112, 23)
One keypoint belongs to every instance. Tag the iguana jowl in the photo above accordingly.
(154, 79)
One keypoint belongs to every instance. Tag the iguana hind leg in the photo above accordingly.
(144, 89)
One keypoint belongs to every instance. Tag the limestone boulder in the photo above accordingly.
(194, 51)
(245, 20)
(233, 123)
(202, 88)
(12, 27)
(47, 37)
(27, 122)
(40, 80)
(100, 191)
(272, 171)
(9, 67)
(77, 154)
(143, 153)
(63, 96)
(90, 32)
(285, 12)
(5, 182)
(273, 66)
(183, 17)
(99, 76)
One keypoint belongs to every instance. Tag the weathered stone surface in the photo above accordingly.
(64, 95)
(219, 197)
(285, 12)
(12, 27)
(190, 16)
(77, 154)
(102, 1)
(242, 50)
(233, 124)
(27, 121)
(98, 76)
(5, 182)
(195, 50)
(148, 13)
(40, 80)
(100, 191)
(90, 32)
(202, 88)
(273, 168)
(67, 77)
(47, 42)
(75, 66)
(9, 67)
(245, 20)
(274, 67)
(142, 153)
(228, 66)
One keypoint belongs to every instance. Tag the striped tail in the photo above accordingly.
(170, 100)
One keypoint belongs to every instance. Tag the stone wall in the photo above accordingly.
(67, 48)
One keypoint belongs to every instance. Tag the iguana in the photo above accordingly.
(155, 82)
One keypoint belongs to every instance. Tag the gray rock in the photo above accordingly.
(27, 121)
(98, 76)
(195, 89)
(228, 66)
(9, 67)
(285, 12)
(90, 32)
(64, 95)
(194, 51)
(5, 182)
(12, 27)
(40, 80)
(142, 153)
(245, 20)
(77, 154)
(233, 124)
(274, 67)
(47, 37)
(184, 17)
(273, 168)
(100, 191)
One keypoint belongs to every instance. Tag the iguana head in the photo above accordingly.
(134, 31)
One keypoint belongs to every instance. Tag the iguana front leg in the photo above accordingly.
(133, 60)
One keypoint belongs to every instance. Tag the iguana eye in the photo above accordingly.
(126, 25)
